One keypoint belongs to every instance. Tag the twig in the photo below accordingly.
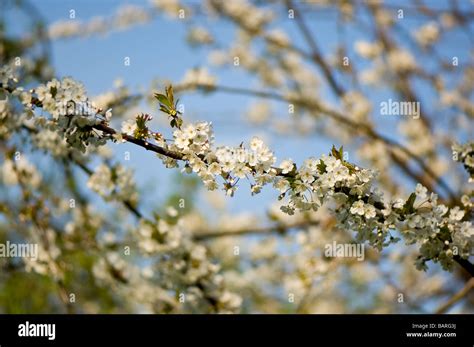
(466, 264)
(456, 297)
(316, 54)
(279, 229)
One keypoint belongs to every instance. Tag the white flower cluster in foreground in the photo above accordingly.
(442, 233)
(195, 142)
(73, 116)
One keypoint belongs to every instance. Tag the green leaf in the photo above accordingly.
(408, 207)
(321, 167)
(350, 166)
(176, 107)
(169, 94)
(164, 109)
(54, 91)
(141, 122)
(163, 99)
(338, 154)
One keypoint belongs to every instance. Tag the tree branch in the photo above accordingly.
(278, 229)
(456, 297)
(316, 54)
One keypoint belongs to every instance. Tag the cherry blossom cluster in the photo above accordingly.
(195, 142)
(7, 74)
(441, 232)
(251, 17)
(13, 172)
(181, 279)
(184, 263)
(114, 182)
(124, 17)
(73, 115)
